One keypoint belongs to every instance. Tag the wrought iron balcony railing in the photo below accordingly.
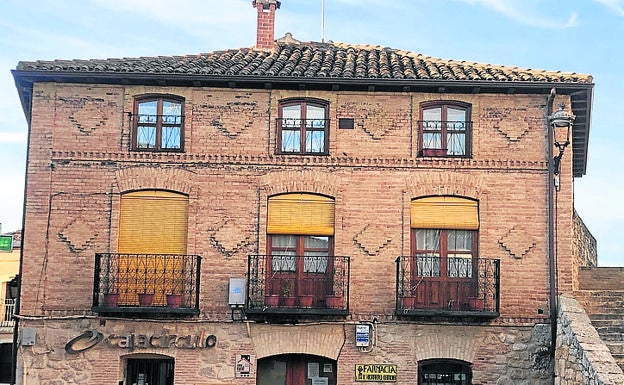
(447, 286)
(146, 283)
(6, 313)
(291, 285)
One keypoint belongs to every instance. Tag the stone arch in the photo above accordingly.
(444, 183)
(317, 340)
(154, 178)
(445, 343)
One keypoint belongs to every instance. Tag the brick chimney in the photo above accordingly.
(265, 33)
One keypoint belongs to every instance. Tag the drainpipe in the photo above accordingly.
(552, 260)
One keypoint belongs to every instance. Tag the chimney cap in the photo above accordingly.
(266, 4)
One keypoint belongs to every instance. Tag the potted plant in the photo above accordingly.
(271, 300)
(475, 303)
(146, 299)
(111, 299)
(286, 290)
(408, 301)
(333, 301)
(174, 295)
(305, 300)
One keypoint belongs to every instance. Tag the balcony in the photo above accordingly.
(457, 287)
(146, 284)
(6, 313)
(297, 286)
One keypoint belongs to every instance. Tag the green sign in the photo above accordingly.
(6, 243)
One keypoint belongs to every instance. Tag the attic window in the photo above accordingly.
(303, 128)
(158, 124)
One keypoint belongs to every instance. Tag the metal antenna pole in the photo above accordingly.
(322, 21)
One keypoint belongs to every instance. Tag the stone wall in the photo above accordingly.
(584, 248)
(581, 356)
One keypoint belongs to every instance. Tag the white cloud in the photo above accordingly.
(527, 12)
(615, 5)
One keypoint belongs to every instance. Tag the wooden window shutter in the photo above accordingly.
(444, 212)
(301, 214)
(153, 222)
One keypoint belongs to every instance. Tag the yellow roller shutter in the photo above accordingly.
(153, 222)
(302, 214)
(444, 212)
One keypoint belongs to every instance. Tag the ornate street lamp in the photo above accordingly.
(561, 125)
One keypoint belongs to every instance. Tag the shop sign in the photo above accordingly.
(375, 372)
(6, 243)
(132, 341)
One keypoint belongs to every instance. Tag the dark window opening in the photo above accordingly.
(6, 359)
(149, 371)
(444, 372)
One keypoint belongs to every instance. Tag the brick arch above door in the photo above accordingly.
(317, 340)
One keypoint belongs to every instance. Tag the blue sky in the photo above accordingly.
(582, 36)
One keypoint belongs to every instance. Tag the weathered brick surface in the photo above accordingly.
(80, 164)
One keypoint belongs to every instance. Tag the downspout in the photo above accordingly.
(552, 261)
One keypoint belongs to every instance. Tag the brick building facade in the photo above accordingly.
(414, 189)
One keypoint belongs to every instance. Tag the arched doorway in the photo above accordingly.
(444, 372)
(296, 369)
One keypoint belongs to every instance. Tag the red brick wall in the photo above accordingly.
(79, 164)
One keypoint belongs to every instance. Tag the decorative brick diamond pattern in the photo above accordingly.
(517, 242)
(230, 237)
(372, 239)
(78, 235)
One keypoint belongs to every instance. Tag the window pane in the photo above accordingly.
(291, 141)
(172, 109)
(283, 250)
(146, 137)
(432, 140)
(316, 252)
(428, 265)
(460, 240)
(315, 117)
(459, 265)
(432, 114)
(291, 116)
(455, 115)
(456, 144)
(170, 137)
(315, 141)
(148, 112)
(428, 239)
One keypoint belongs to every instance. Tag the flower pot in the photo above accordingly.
(333, 301)
(408, 302)
(174, 300)
(111, 299)
(271, 300)
(306, 300)
(288, 301)
(476, 303)
(146, 299)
